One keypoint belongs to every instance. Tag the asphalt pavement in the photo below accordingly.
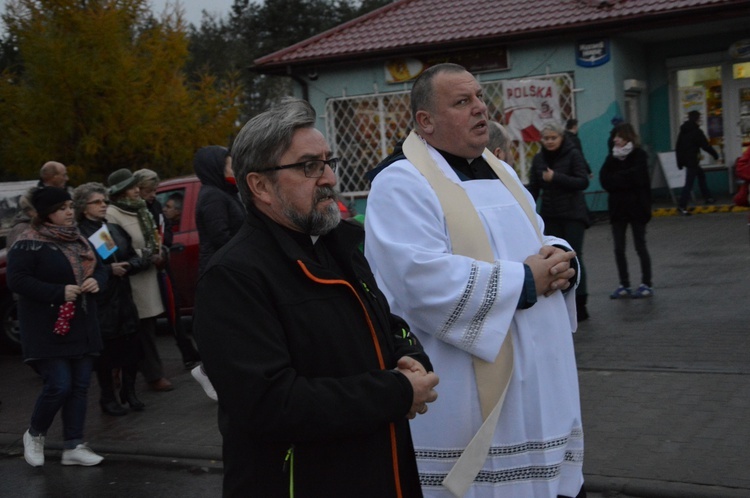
(665, 381)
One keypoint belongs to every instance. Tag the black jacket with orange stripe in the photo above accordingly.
(300, 345)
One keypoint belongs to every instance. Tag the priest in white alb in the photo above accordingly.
(458, 249)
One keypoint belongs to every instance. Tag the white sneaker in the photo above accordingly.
(81, 455)
(205, 383)
(33, 449)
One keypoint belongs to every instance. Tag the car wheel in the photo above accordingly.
(10, 339)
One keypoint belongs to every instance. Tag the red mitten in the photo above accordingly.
(64, 316)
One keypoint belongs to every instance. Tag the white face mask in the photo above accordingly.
(622, 152)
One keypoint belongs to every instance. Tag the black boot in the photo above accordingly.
(107, 400)
(127, 393)
(581, 310)
(113, 408)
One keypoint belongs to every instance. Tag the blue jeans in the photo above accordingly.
(66, 386)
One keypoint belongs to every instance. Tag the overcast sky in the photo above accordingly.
(192, 8)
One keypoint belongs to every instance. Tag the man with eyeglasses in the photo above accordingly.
(316, 379)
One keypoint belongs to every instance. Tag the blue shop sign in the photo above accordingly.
(592, 53)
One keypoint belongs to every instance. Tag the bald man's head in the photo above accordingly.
(54, 174)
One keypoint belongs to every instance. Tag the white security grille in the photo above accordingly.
(363, 130)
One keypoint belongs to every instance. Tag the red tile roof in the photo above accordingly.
(418, 26)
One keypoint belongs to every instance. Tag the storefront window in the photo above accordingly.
(699, 89)
(741, 70)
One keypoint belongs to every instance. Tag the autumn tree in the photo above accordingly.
(254, 29)
(100, 85)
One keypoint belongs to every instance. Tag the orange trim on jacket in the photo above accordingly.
(381, 361)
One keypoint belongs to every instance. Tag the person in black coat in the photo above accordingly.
(690, 141)
(316, 379)
(148, 182)
(218, 216)
(55, 272)
(219, 212)
(625, 176)
(560, 174)
(118, 315)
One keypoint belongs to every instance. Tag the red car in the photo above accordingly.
(183, 259)
(184, 251)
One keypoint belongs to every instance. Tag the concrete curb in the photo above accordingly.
(648, 488)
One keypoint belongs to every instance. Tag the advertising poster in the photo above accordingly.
(528, 105)
(693, 98)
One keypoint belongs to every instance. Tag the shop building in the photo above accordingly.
(648, 62)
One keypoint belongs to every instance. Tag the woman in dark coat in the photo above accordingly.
(118, 315)
(55, 271)
(560, 173)
(625, 176)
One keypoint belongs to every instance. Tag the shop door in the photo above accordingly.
(743, 124)
(737, 132)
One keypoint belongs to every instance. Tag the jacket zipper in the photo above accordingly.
(289, 467)
(381, 362)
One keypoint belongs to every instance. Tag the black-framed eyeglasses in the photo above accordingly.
(99, 202)
(314, 168)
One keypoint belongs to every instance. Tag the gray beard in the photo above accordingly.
(315, 222)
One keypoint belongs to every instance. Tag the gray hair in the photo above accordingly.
(499, 138)
(146, 178)
(83, 193)
(422, 94)
(553, 127)
(264, 139)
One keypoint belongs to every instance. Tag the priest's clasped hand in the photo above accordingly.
(551, 269)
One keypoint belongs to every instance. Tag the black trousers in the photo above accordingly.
(619, 229)
(691, 173)
(572, 231)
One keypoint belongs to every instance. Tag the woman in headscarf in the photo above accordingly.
(128, 210)
(55, 271)
(118, 316)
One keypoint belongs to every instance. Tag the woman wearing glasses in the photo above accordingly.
(118, 315)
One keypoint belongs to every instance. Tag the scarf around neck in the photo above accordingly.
(70, 242)
(622, 152)
(145, 221)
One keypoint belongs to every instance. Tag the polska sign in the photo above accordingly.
(532, 91)
(592, 53)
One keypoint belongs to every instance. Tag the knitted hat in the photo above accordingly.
(46, 200)
(121, 180)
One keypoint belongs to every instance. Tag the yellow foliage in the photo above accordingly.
(102, 87)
